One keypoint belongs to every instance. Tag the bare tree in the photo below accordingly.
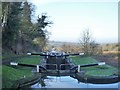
(87, 43)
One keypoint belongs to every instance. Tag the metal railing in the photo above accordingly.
(66, 66)
(51, 66)
(58, 67)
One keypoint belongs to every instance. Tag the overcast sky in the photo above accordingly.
(70, 18)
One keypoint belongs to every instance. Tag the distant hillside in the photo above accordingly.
(106, 48)
(59, 44)
(64, 46)
(110, 47)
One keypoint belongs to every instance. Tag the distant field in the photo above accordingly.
(106, 47)
(111, 52)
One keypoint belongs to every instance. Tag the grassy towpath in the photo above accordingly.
(104, 70)
(12, 73)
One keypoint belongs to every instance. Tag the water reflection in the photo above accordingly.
(68, 82)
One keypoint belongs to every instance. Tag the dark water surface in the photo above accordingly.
(69, 82)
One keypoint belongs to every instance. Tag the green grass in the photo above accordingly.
(12, 73)
(104, 70)
(83, 60)
(8, 55)
(0, 69)
(0, 57)
(29, 60)
(100, 71)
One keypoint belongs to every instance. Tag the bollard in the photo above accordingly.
(78, 68)
(47, 55)
(13, 63)
(37, 68)
(101, 63)
(81, 54)
(29, 54)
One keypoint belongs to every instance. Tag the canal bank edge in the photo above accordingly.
(27, 81)
(96, 79)
(79, 76)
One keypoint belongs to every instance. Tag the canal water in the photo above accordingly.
(69, 82)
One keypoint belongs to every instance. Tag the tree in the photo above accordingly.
(89, 46)
(24, 40)
(10, 23)
(40, 32)
(94, 48)
(18, 32)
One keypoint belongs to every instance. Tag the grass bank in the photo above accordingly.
(105, 70)
(9, 55)
(29, 60)
(12, 73)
